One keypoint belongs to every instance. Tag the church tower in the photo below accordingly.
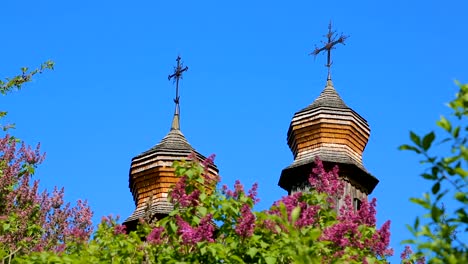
(151, 173)
(332, 131)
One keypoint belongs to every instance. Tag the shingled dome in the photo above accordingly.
(332, 131)
(152, 175)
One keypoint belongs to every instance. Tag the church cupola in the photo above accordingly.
(332, 131)
(151, 173)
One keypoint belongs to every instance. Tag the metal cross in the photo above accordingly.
(332, 41)
(178, 70)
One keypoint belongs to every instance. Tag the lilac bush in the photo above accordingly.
(31, 220)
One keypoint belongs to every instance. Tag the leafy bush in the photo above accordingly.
(441, 235)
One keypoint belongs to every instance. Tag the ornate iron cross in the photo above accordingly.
(332, 40)
(178, 70)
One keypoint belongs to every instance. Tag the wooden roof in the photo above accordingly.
(329, 129)
(329, 97)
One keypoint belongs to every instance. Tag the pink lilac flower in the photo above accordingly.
(346, 232)
(326, 182)
(180, 196)
(154, 236)
(210, 179)
(307, 215)
(206, 229)
(290, 202)
(406, 256)
(246, 223)
(120, 230)
(209, 161)
(239, 191)
(192, 235)
(406, 253)
(252, 193)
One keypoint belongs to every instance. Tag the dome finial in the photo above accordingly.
(328, 46)
(177, 75)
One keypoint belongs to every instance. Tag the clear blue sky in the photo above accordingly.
(109, 98)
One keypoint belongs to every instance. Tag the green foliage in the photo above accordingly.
(442, 237)
(16, 83)
(10, 84)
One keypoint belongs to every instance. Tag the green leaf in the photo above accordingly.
(408, 147)
(314, 234)
(444, 123)
(436, 212)
(270, 260)
(196, 220)
(456, 132)
(416, 223)
(173, 226)
(436, 188)
(263, 244)
(252, 252)
(295, 214)
(427, 140)
(429, 176)
(421, 202)
(462, 197)
(460, 171)
(449, 160)
(415, 138)
(203, 210)
(462, 216)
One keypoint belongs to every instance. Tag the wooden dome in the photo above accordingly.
(152, 175)
(335, 133)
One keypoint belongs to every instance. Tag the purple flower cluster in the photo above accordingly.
(326, 181)
(155, 236)
(120, 230)
(208, 161)
(246, 222)
(406, 257)
(406, 254)
(346, 232)
(192, 235)
(252, 193)
(308, 212)
(179, 194)
(239, 191)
